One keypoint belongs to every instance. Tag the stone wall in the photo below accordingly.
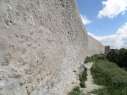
(42, 45)
(94, 46)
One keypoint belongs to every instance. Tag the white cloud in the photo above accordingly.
(117, 40)
(112, 8)
(85, 20)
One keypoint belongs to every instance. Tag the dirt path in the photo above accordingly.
(89, 83)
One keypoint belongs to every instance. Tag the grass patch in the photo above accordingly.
(111, 91)
(95, 57)
(111, 76)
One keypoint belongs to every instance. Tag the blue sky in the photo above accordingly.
(104, 19)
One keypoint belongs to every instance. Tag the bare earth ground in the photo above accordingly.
(89, 83)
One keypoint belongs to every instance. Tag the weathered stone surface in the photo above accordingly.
(12, 87)
(94, 46)
(42, 44)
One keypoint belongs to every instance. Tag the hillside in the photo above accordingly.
(109, 75)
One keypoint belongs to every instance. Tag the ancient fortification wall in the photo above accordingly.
(42, 45)
(94, 46)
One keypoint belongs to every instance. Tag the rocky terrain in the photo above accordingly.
(42, 47)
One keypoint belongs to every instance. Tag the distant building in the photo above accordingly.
(107, 49)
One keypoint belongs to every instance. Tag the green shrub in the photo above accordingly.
(75, 91)
(83, 78)
(95, 57)
(88, 59)
(118, 56)
(98, 56)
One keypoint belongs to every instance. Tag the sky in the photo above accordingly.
(105, 20)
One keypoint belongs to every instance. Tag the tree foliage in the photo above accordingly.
(118, 56)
